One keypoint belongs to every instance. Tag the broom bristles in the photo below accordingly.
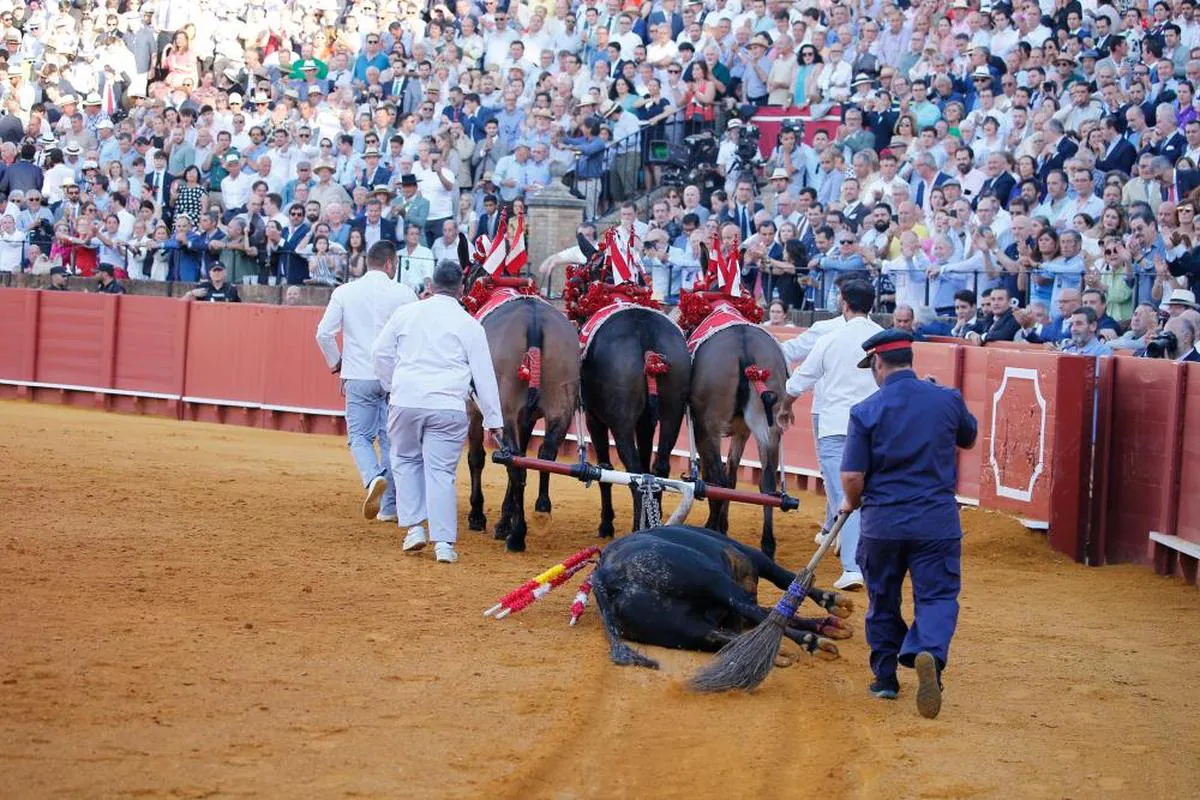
(745, 662)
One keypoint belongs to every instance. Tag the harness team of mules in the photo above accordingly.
(632, 372)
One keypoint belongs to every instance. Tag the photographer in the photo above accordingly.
(1176, 341)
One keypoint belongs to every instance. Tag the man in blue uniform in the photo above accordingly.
(899, 468)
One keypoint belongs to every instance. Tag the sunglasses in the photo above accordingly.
(372, 41)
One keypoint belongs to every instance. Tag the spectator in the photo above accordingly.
(1083, 339)
(216, 289)
(416, 262)
(1142, 325)
(108, 284)
(965, 319)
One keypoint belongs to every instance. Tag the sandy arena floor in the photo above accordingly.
(190, 610)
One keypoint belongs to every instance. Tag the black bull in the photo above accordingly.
(689, 588)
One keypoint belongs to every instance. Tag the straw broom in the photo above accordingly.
(745, 662)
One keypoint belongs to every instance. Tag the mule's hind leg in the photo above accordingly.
(768, 454)
(555, 433)
(712, 469)
(512, 442)
(598, 432)
(628, 453)
(476, 458)
(737, 446)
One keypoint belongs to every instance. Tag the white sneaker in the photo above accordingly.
(822, 535)
(849, 580)
(381, 517)
(416, 539)
(375, 490)
(445, 553)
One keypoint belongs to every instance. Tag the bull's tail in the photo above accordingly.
(530, 370)
(757, 378)
(621, 653)
(654, 366)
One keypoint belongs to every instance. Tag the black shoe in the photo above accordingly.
(885, 689)
(929, 685)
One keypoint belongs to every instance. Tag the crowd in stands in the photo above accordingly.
(1041, 153)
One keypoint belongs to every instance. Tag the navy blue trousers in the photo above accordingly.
(935, 567)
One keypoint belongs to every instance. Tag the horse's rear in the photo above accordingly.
(739, 377)
(636, 379)
(535, 353)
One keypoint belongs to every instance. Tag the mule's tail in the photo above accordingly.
(654, 366)
(758, 377)
(530, 370)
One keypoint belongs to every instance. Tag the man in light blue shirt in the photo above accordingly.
(1083, 341)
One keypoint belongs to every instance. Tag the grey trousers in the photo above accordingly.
(426, 445)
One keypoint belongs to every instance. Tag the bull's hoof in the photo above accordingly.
(784, 660)
(820, 647)
(834, 628)
(515, 545)
(476, 522)
(542, 505)
(840, 605)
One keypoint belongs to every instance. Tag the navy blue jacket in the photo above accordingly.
(904, 439)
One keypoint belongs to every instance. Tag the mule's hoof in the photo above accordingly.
(514, 545)
(502, 530)
(605, 532)
(833, 628)
(542, 506)
(476, 523)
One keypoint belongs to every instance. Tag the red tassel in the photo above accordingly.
(655, 365)
(758, 376)
(530, 370)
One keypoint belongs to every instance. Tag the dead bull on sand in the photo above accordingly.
(689, 588)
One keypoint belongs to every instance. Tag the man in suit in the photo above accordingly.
(926, 177)
(1119, 155)
(292, 266)
(1004, 325)
(1058, 328)
(159, 180)
(373, 225)
(22, 176)
(373, 174)
(999, 182)
(1176, 184)
(743, 208)
(1058, 149)
(1164, 138)
(965, 314)
(489, 220)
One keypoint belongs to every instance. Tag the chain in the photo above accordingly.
(651, 513)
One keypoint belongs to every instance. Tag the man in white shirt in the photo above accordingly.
(235, 187)
(833, 367)
(416, 262)
(430, 353)
(359, 310)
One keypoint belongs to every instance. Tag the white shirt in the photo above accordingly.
(359, 310)
(832, 368)
(798, 347)
(430, 352)
(235, 192)
(414, 268)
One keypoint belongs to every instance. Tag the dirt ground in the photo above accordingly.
(194, 610)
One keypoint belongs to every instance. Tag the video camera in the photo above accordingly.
(748, 135)
(1161, 344)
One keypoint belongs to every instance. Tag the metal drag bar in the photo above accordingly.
(586, 472)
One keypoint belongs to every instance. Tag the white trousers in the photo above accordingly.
(426, 444)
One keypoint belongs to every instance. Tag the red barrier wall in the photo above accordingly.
(1100, 482)
(1187, 513)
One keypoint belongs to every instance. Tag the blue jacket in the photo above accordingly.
(904, 439)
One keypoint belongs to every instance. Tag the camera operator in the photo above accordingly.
(1176, 341)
